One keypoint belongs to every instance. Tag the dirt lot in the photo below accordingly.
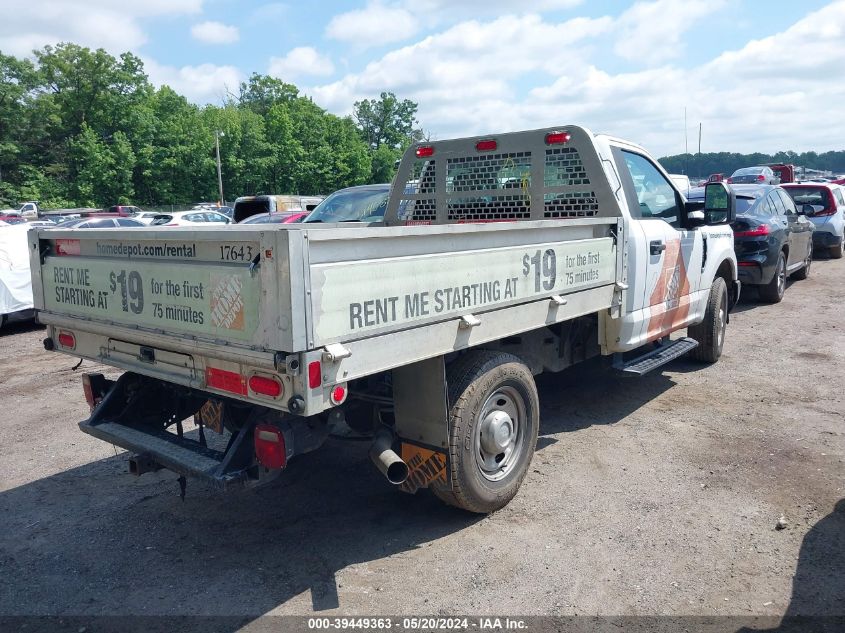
(657, 495)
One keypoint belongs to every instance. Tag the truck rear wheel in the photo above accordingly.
(710, 333)
(493, 421)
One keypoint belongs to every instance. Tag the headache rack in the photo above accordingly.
(546, 174)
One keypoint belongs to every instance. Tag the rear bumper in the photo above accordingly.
(824, 239)
(751, 273)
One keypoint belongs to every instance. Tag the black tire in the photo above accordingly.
(836, 251)
(773, 291)
(804, 272)
(3, 319)
(496, 383)
(710, 333)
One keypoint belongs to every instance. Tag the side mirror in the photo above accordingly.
(719, 203)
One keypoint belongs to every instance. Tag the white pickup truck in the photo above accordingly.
(497, 258)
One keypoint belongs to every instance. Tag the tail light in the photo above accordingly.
(730, 180)
(88, 390)
(757, 231)
(424, 151)
(338, 394)
(266, 386)
(270, 446)
(67, 339)
(486, 146)
(747, 263)
(760, 178)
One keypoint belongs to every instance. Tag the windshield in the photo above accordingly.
(364, 204)
(748, 171)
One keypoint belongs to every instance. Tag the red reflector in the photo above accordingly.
(225, 380)
(66, 339)
(265, 386)
(486, 146)
(747, 263)
(424, 151)
(270, 446)
(763, 229)
(315, 374)
(338, 394)
(67, 247)
(556, 138)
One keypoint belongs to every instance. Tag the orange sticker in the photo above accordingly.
(425, 466)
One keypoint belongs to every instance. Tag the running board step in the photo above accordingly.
(658, 357)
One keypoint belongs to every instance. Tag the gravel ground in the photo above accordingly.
(650, 496)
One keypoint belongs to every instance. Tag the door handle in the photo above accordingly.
(655, 247)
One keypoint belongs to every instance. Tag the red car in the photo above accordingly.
(12, 219)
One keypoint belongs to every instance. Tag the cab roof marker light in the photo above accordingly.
(424, 151)
(557, 138)
(486, 146)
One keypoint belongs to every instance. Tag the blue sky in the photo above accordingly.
(758, 75)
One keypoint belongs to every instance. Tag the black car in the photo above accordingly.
(772, 238)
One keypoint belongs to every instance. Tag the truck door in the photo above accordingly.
(668, 257)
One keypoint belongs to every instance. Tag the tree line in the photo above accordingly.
(702, 165)
(80, 127)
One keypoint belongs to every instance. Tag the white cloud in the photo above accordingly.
(215, 33)
(375, 25)
(301, 61)
(652, 32)
(206, 83)
(779, 92)
(27, 24)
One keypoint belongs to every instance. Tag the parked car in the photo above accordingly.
(246, 206)
(759, 175)
(827, 213)
(717, 177)
(124, 211)
(772, 238)
(190, 218)
(364, 203)
(12, 218)
(146, 217)
(98, 223)
(275, 218)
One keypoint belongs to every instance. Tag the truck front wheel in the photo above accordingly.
(710, 333)
(493, 421)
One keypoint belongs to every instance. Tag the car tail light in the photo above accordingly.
(557, 138)
(266, 386)
(760, 178)
(315, 374)
(757, 231)
(270, 446)
(88, 390)
(747, 263)
(486, 146)
(425, 151)
(67, 339)
(338, 394)
(730, 180)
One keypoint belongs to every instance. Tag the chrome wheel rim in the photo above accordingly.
(781, 276)
(500, 429)
(722, 321)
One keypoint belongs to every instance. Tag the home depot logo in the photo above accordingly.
(227, 305)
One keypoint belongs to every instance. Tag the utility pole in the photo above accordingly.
(699, 137)
(217, 135)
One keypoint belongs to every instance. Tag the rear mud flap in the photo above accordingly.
(422, 422)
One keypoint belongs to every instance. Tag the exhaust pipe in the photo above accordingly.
(386, 459)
